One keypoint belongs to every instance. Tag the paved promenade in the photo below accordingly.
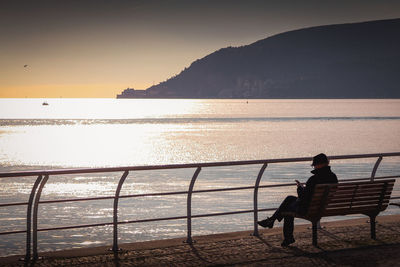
(344, 243)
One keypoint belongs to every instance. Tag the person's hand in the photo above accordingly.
(298, 183)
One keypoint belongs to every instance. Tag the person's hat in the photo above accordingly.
(320, 159)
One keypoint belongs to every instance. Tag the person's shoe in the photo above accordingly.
(287, 241)
(269, 222)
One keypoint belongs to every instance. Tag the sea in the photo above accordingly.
(95, 133)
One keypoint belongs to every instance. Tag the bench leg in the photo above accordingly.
(373, 223)
(314, 234)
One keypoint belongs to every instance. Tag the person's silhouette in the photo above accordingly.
(322, 174)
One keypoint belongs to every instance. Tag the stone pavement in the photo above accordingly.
(343, 243)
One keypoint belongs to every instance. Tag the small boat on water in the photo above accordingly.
(45, 103)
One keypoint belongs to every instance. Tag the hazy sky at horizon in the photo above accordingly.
(95, 48)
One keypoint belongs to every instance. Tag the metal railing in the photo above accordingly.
(43, 176)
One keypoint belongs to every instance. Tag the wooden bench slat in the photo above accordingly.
(347, 207)
(360, 188)
(361, 194)
(364, 184)
(370, 204)
(352, 187)
(355, 190)
(341, 212)
(344, 183)
(344, 192)
(353, 203)
(350, 199)
(377, 199)
(357, 210)
(355, 199)
(358, 203)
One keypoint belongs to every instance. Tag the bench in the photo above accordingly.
(368, 198)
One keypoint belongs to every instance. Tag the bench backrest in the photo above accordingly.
(368, 198)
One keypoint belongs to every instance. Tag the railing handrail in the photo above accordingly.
(35, 193)
(184, 166)
(179, 192)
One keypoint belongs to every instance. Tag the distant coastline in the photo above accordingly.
(130, 93)
(142, 94)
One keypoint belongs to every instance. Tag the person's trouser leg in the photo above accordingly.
(288, 227)
(286, 205)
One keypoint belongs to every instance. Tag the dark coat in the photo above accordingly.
(323, 175)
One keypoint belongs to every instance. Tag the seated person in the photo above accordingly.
(322, 175)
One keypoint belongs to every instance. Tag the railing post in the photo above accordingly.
(375, 168)
(29, 219)
(255, 201)
(35, 216)
(189, 206)
(115, 218)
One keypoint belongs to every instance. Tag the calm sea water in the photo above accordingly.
(109, 133)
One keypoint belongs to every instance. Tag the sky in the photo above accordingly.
(97, 48)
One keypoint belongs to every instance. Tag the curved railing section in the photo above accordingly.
(43, 175)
